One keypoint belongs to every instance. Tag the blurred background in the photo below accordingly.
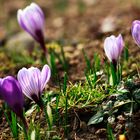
(74, 19)
(79, 24)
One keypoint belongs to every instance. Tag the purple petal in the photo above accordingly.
(38, 9)
(113, 47)
(120, 43)
(31, 19)
(110, 48)
(45, 76)
(24, 80)
(11, 92)
(25, 24)
(19, 18)
(35, 80)
(135, 22)
(136, 31)
(29, 80)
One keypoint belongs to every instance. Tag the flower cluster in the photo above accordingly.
(30, 81)
(32, 20)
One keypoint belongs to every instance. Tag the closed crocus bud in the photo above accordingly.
(33, 81)
(32, 20)
(136, 31)
(11, 93)
(113, 47)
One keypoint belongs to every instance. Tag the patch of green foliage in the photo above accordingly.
(93, 93)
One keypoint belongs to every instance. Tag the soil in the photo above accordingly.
(80, 25)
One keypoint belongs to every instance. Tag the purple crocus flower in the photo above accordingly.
(32, 20)
(33, 81)
(11, 92)
(135, 29)
(113, 47)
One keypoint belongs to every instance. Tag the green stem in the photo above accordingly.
(46, 116)
(113, 73)
(66, 104)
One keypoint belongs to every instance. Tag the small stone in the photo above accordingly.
(80, 46)
(20, 43)
(69, 49)
(58, 22)
(108, 24)
(90, 2)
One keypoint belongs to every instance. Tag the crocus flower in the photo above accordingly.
(135, 29)
(32, 20)
(113, 47)
(10, 91)
(33, 81)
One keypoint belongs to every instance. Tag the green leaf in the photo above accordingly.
(97, 118)
(126, 53)
(87, 60)
(113, 77)
(66, 103)
(30, 111)
(14, 124)
(53, 63)
(50, 116)
(33, 134)
(110, 133)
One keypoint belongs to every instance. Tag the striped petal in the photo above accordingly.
(32, 20)
(113, 47)
(35, 78)
(136, 31)
(23, 77)
(45, 76)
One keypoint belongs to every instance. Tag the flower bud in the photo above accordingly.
(11, 92)
(113, 47)
(33, 81)
(135, 29)
(32, 20)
